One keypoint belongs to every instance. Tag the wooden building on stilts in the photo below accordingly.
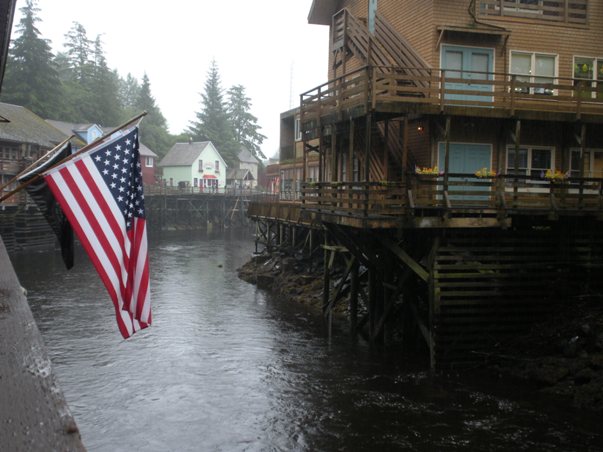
(455, 158)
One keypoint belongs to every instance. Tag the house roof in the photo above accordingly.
(70, 127)
(7, 12)
(184, 154)
(246, 157)
(322, 11)
(239, 174)
(24, 126)
(145, 151)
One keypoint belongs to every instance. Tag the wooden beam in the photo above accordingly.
(516, 139)
(405, 258)
(446, 152)
(405, 150)
(354, 297)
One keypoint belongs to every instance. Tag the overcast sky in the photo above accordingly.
(265, 45)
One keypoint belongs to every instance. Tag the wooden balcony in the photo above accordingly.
(10, 166)
(456, 200)
(564, 11)
(434, 91)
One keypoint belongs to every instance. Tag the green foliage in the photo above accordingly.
(243, 123)
(153, 129)
(212, 123)
(228, 125)
(77, 85)
(32, 79)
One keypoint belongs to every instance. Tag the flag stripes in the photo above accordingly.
(114, 237)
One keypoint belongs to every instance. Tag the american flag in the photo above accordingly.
(101, 193)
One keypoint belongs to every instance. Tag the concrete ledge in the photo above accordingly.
(33, 412)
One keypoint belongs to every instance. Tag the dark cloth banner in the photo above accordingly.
(41, 194)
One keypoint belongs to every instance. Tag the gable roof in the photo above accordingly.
(321, 11)
(145, 151)
(184, 154)
(239, 174)
(246, 157)
(70, 127)
(24, 126)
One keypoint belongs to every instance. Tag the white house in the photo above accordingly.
(194, 164)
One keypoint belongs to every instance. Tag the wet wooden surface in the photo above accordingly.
(33, 412)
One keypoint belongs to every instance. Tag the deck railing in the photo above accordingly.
(375, 87)
(567, 11)
(456, 194)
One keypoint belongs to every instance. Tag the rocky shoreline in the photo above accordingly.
(562, 356)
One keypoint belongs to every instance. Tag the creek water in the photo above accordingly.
(227, 367)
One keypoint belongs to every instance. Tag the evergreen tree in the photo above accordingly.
(243, 123)
(153, 128)
(104, 107)
(79, 51)
(76, 71)
(31, 78)
(212, 122)
(129, 90)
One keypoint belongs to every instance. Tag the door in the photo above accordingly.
(466, 158)
(469, 66)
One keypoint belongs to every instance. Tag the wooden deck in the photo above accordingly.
(424, 201)
(419, 90)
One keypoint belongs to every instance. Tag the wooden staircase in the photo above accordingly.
(386, 48)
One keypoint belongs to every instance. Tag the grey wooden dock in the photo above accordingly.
(34, 415)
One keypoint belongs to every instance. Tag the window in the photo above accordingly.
(355, 170)
(217, 166)
(533, 161)
(588, 77)
(148, 162)
(200, 166)
(593, 163)
(534, 68)
(572, 11)
(524, 6)
(297, 127)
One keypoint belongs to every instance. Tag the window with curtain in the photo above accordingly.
(536, 69)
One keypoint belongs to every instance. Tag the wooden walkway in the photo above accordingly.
(33, 412)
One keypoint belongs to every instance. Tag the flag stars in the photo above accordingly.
(120, 167)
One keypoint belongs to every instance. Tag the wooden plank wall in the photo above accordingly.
(491, 285)
(414, 20)
(417, 21)
(529, 34)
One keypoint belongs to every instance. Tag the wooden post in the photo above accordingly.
(446, 153)
(367, 145)
(386, 151)
(405, 169)
(354, 298)
(434, 300)
(350, 169)
(582, 162)
(516, 139)
(372, 301)
(334, 172)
